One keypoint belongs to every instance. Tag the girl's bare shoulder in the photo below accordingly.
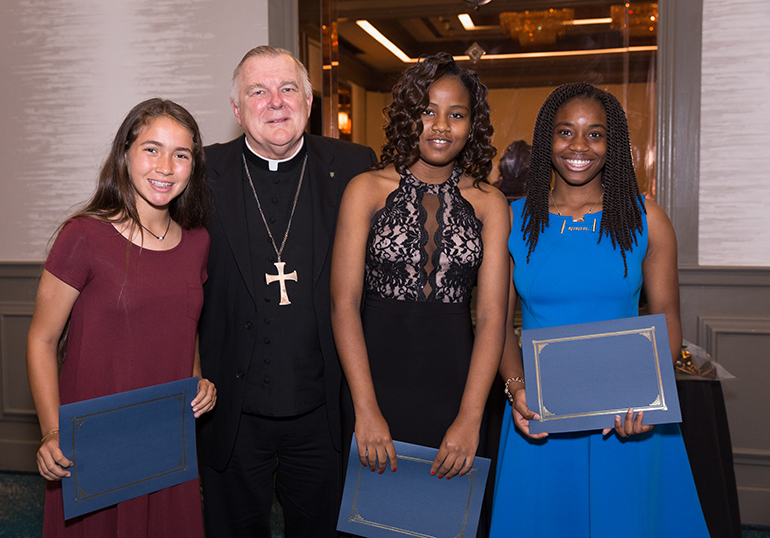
(369, 191)
(374, 180)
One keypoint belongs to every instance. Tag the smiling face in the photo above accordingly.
(160, 162)
(446, 122)
(272, 107)
(579, 145)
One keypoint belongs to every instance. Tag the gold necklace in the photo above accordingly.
(581, 218)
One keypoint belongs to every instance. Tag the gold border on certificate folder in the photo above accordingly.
(356, 517)
(659, 403)
(78, 421)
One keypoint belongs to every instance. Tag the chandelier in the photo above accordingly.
(535, 28)
(544, 27)
(639, 18)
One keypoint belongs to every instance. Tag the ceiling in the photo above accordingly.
(428, 26)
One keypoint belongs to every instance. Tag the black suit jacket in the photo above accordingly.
(230, 309)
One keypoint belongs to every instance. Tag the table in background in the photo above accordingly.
(707, 439)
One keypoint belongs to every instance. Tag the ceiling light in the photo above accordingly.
(561, 53)
(385, 42)
(583, 22)
(469, 25)
(367, 27)
(467, 22)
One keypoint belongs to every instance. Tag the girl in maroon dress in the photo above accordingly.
(124, 278)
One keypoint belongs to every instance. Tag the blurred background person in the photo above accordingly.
(513, 168)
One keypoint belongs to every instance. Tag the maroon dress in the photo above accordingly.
(133, 325)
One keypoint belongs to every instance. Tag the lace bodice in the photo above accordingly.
(425, 244)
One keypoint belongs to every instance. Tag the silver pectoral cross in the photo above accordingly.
(281, 278)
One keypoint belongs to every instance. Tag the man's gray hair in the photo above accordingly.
(270, 52)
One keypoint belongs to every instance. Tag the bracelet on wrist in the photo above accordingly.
(49, 434)
(507, 391)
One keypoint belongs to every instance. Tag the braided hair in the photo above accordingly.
(623, 203)
(411, 98)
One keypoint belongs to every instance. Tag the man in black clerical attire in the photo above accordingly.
(265, 333)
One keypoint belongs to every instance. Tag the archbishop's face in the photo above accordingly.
(272, 107)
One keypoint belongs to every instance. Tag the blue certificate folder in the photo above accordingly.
(411, 502)
(127, 444)
(580, 376)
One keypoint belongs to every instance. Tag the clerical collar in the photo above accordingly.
(274, 165)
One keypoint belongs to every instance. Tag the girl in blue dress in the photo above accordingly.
(581, 251)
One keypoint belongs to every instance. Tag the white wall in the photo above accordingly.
(72, 69)
(734, 220)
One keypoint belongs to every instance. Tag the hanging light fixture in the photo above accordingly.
(477, 3)
(638, 18)
(537, 28)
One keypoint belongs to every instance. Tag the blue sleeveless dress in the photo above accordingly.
(581, 484)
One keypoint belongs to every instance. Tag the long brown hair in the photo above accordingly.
(114, 197)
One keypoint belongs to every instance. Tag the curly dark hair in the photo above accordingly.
(623, 203)
(115, 192)
(410, 99)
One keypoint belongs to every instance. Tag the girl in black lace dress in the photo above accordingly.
(414, 235)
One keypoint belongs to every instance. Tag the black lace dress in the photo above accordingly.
(423, 255)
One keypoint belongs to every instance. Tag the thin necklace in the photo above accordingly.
(582, 218)
(281, 277)
(159, 237)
